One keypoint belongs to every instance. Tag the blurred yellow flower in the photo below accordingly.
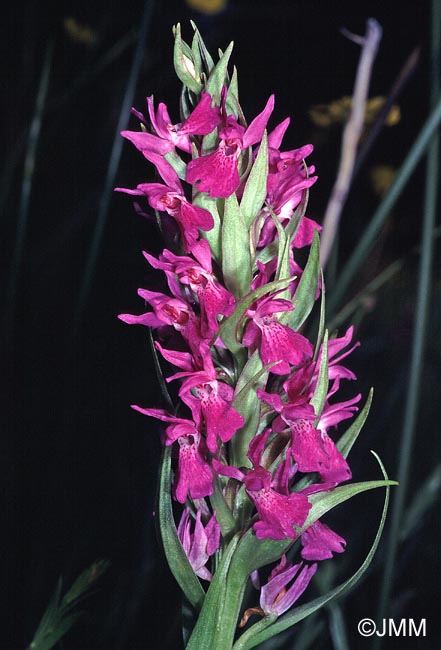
(77, 32)
(207, 6)
(382, 177)
(336, 112)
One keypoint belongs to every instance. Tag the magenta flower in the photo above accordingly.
(201, 121)
(279, 514)
(320, 542)
(213, 297)
(217, 172)
(276, 342)
(314, 451)
(170, 198)
(194, 477)
(210, 402)
(200, 544)
(287, 181)
(169, 312)
(276, 597)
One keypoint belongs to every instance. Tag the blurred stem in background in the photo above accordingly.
(112, 169)
(26, 192)
(367, 240)
(419, 337)
(351, 136)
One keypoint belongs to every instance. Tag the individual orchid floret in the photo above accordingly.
(287, 181)
(314, 451)
(301, 385)
(276, 342)
(276, 597)
(279, 515)
(337, 352)
(170, 198)
(168, 311)
(194, 477)
(202, 120)
(217, 172)
(312, 448)
(214, 299)
(320, 542)
(200, 544)
(210, 402)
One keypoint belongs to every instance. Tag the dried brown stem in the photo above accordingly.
(351, 136)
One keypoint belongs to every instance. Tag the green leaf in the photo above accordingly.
(196, 53)
(322, 502)
(246, 402)
(60, 614)
(304, 298)
(286, 236)
(232, 104)
(175, 554)
(255, 188)
(290, 232)
(261, 631)
(322, 320)
(213, 236)
(236, 262)
(219, 75)
(224, 515)
(84, 582)
(185, 65)
(205, 54)
(212, 620)
(229, 327)
(319, 398)
(347, 440)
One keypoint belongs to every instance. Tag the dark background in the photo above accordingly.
(78, 466)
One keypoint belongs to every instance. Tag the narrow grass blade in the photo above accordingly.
(26, 188)
(115, 156)
(419, 336)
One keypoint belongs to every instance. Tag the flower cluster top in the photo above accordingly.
(258, 401)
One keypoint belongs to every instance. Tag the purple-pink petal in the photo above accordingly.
(275, 597)
(216, 172)
(320, 542)
(314, 451)
(193, 476)
(202, 120)
(254, 132)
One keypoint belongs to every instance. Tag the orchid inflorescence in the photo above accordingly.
(254, 426)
